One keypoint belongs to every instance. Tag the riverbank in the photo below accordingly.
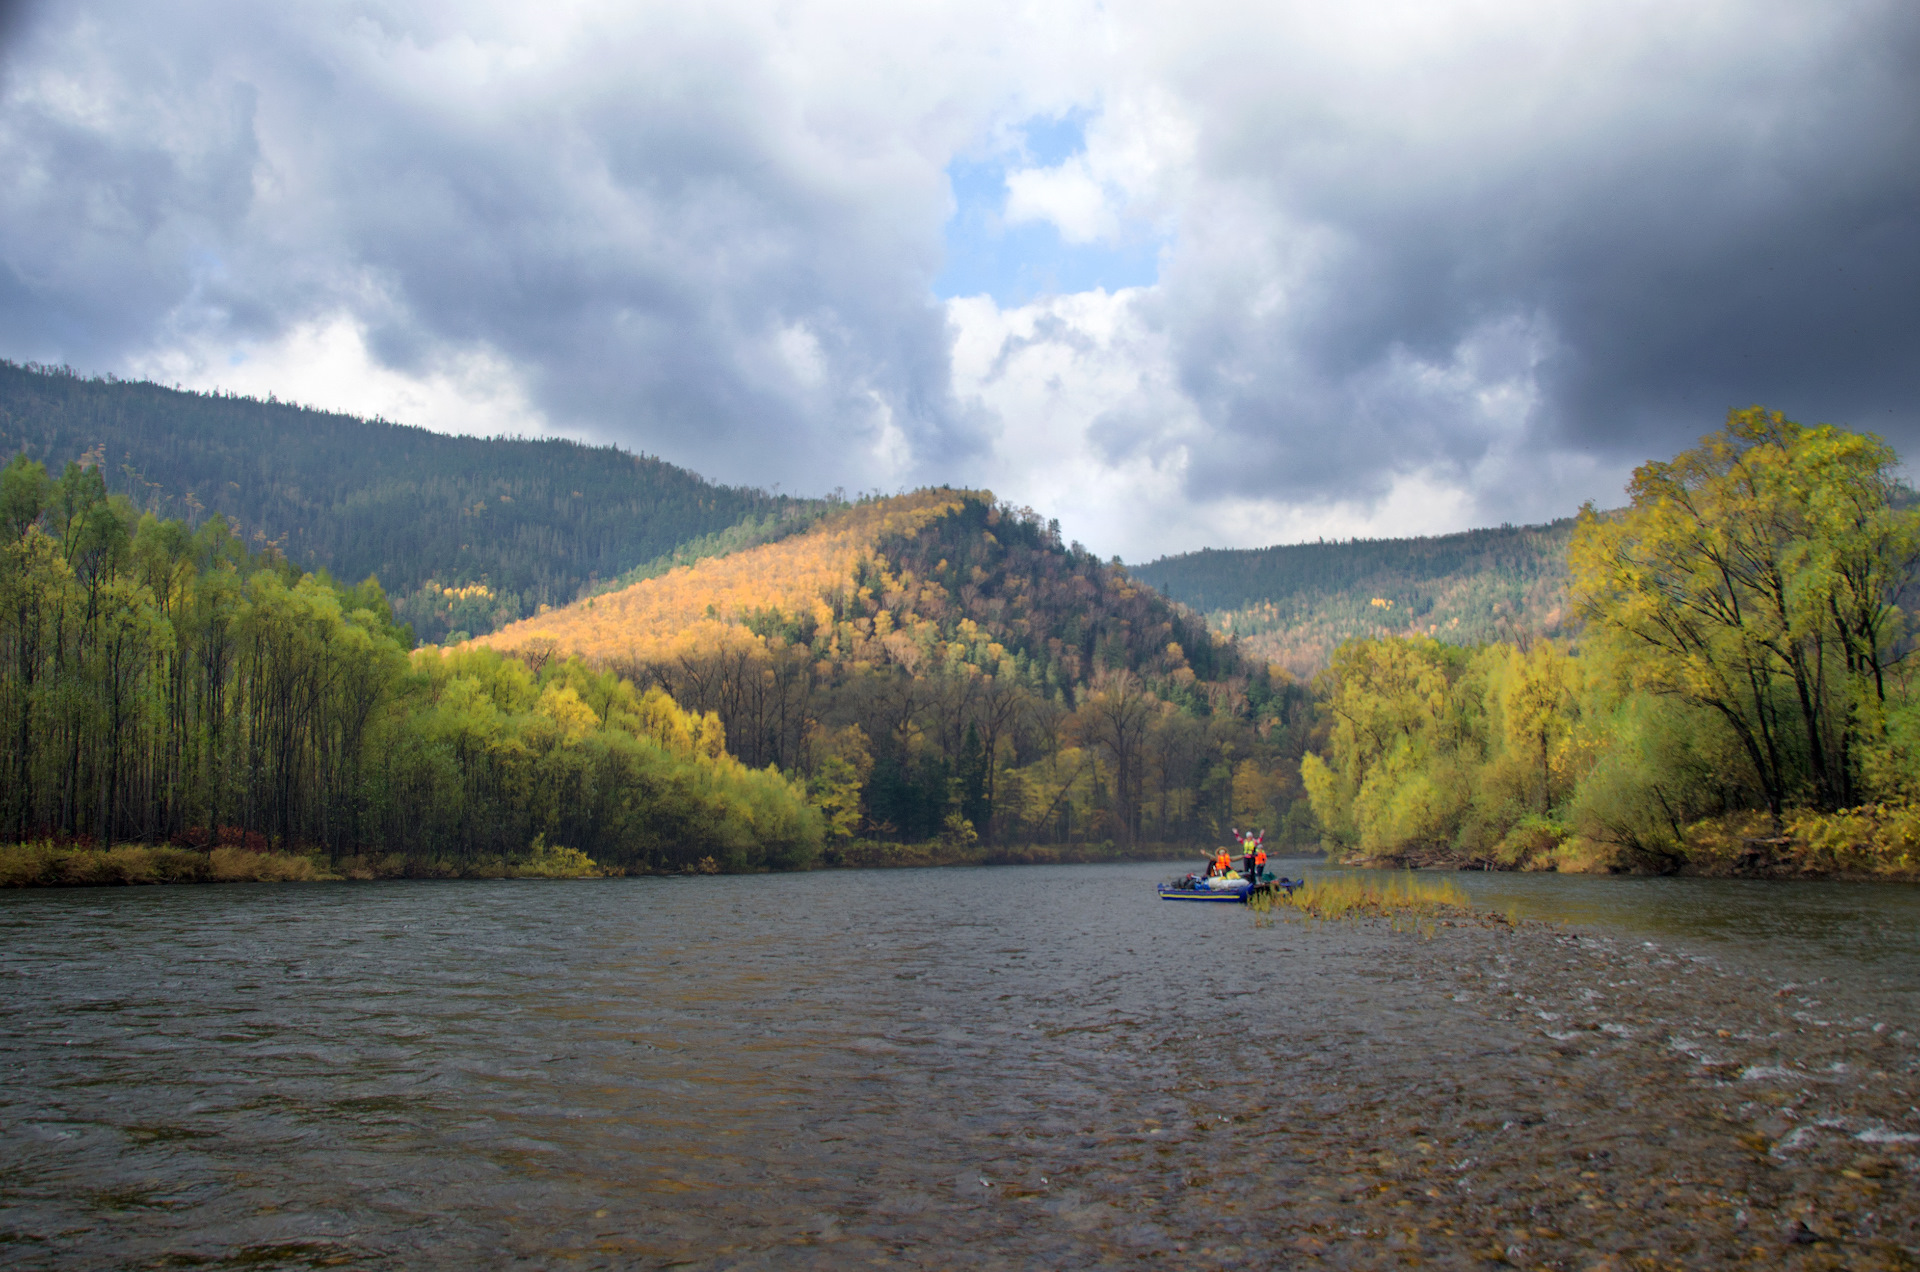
(48, 864)
(1873, 843)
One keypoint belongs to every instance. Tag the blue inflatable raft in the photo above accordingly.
(1234, 889)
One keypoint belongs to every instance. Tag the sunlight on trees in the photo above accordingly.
(939, 667)
(159, 683)
(1746, 650)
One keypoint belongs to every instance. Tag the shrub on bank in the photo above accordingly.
(1879, 839)
(47, 864)
(242, 865)
(1875, 841)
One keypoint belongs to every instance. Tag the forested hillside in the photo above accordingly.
(1295, 604)
(464, 532)
(938, 664)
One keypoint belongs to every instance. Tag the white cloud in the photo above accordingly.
(1097, 427)
(327, 363)
(1068, 197)
(1128, 179)
(1054, 373)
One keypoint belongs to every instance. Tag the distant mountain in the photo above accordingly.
(1294, 604)
(922, 580)
(464, 532)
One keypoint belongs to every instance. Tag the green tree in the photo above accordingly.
(1756, 576)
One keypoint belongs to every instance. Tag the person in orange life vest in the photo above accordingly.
(1222, 863)
(1259, 862)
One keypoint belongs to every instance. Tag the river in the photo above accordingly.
(1023, 1067)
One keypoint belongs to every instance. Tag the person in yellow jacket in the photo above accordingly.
(1253, 852)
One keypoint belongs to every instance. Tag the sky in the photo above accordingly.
(1213, 274)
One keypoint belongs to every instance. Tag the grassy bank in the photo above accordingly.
(1879, 841)
(47, 864)
(51, 865)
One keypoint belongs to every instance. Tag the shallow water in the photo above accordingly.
(1867, 934)
(1009, 1067)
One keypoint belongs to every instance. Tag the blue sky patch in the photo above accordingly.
(1016, 263)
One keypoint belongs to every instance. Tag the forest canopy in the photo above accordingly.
(1745, 664)
(160, 682)
(1724, 677)
(941, 665)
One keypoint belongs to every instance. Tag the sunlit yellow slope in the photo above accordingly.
(707, 601)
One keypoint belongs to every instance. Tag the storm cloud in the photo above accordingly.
(1230, 276)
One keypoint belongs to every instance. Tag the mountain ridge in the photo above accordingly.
(1293, 604)
(462, 531)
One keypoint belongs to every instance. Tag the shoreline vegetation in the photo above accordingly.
(1876, 843)
(1740, 698)
(1868, 845)
(936, 678)
(46, 863)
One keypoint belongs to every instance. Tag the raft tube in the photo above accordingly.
(1234, 891)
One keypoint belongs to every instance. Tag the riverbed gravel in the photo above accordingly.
(1632, 1106)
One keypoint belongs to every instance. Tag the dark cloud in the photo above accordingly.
(1746, 231)
(14, 15)
(1507, 252)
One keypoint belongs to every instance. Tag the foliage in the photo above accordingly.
(1759, 576)
(1745, 656)
(1296, 603)
(46, 863)
(157, 680)
(467, 532)
(790, 518)
(939, 666)
(803, 583)
(886, 854)
(1873, 839)
(1505, 758)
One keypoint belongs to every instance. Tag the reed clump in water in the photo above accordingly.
(1404, 896)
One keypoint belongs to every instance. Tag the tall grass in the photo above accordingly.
(1352, 896)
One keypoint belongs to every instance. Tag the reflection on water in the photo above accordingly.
(1030, 1066)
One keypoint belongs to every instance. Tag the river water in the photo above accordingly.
(1024, 1067)
(1865, 935)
